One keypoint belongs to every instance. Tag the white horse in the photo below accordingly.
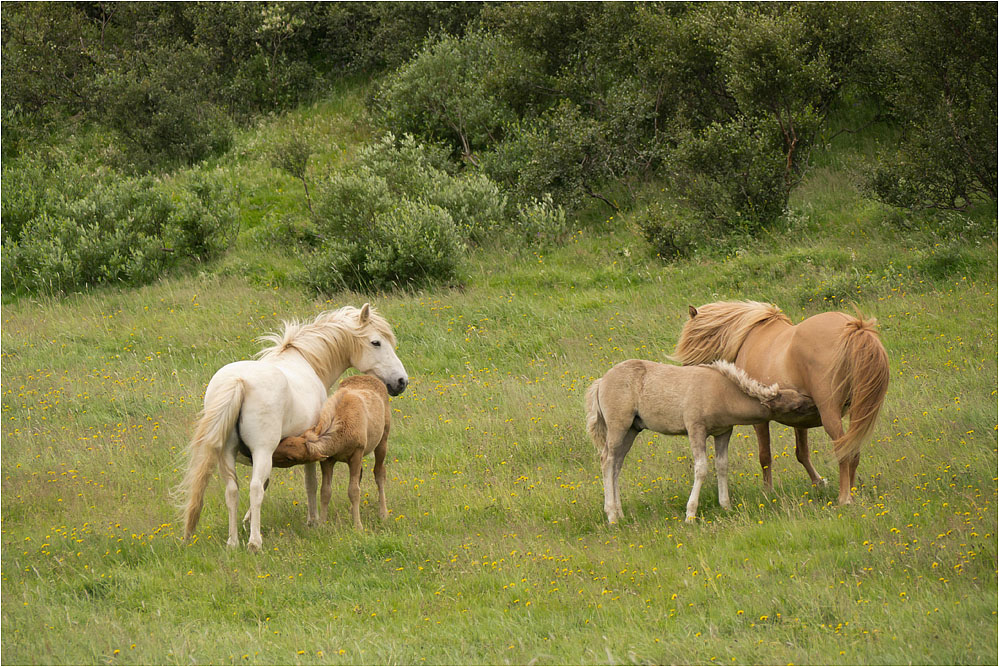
(278, 395)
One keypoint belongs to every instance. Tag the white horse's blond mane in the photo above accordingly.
(754, 388)
(328, 341)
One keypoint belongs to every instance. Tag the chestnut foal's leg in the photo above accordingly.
(354, 487)
(380, 451)
(326, 489)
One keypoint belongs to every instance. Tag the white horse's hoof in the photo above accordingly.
(232, 543)
(690, 518)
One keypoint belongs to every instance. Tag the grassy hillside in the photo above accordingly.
(496, 549)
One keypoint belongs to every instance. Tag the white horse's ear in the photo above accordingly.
(364, 314)
(692, 311)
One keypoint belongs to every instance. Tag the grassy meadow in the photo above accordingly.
(496, 550)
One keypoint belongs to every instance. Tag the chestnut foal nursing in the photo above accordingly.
(353, 423)
(697, 400)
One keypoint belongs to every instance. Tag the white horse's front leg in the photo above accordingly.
(258, 482)
(311, 484)
(697, 446)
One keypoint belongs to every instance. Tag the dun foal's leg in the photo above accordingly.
(721, 468)
(698, 437)
(310, 494)
(326, 490)
(763, 438)
(616, 447)
(354, 487)
(380, 451)
(804, 456)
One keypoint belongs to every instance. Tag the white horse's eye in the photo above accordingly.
(376, 343)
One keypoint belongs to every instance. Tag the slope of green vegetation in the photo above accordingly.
(496, 549)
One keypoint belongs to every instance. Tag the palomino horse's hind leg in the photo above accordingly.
(697, 436)
(804, 456)
(326, 489)
(311, 484)
(832, 422)
(721, 468)
(354, 487)
(380, 451)
(763, 439)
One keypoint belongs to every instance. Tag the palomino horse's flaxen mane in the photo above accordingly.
(326, 342)
(751, 387)
(718, 330)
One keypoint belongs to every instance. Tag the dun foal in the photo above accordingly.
(695, 400)
(353, 423)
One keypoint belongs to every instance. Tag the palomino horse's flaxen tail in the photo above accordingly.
(595, 424)
(717, 330)
(862, 368)
(214, 425)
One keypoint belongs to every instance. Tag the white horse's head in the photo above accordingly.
(374, 351)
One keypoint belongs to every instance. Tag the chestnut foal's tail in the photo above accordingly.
(214, 426)
(595, 424)
(862, 366)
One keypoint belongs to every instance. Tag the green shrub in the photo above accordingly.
(110, 230)
(731, 175)
(672, 231)
(412, 244)
(160, 104)
(939, 61)
(463, 91)
(541, 222)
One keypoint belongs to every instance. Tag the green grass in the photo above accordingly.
(496, 549)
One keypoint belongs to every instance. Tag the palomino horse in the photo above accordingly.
(835, 358)
(354, 422)
(673, 400)
(277, 395)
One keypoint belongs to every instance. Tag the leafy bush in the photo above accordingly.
(411, 244)
(461, 91)
(732, 176)
(160, 104)
(541, 222)
(69, 235)
(672, 231)
(562, 154)
(940, 83)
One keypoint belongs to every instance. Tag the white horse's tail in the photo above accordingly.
(595, 424)
(214, 425)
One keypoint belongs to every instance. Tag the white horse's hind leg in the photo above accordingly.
(310, 493)
(721, 468)
(697, 446)
(227, 471)
(258, 482)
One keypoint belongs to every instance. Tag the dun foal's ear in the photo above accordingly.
(364, 314)
(692, 311)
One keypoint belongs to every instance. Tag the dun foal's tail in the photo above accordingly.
(862, 366)
(595, 424)
(214, 425)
